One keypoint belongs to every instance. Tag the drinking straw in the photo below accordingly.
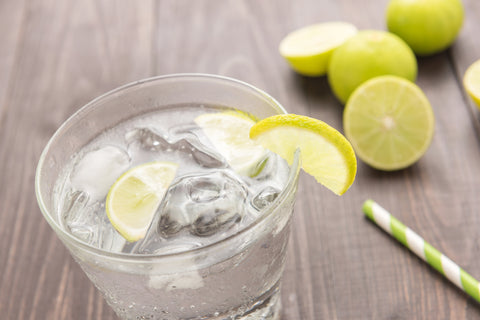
(421, 248)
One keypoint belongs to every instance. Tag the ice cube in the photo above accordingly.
(265, 197)
(207, 205)
(148, 139)
(211, 221)
(202, 155)
(81, 217)
(186, 144)
(215, 201)
(98, 170)
(74, 214)
(171, 223)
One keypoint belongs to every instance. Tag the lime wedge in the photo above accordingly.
(135, 196)
(471, 82)
(228, 132)
(325, 153)
(389, 122)
(308, 49)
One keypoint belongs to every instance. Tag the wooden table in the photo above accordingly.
(57, 55)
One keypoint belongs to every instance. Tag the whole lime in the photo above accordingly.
(427, 26)
(368, 54)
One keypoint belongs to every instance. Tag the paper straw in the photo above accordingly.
(421, 248)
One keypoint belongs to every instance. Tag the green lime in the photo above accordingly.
(427, 26)
(325, 153)
(471, 82)
(228, 132)
(389, 122)
(369, 54)
(134, 197)
(308, 49)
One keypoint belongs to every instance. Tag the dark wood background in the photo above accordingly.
(57, 55)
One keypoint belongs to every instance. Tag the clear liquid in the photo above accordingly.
(207, 202)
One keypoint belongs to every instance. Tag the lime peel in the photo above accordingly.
(325, 153)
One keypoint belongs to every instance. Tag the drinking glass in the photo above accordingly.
(234, 278)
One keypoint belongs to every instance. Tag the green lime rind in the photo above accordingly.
(389, 122)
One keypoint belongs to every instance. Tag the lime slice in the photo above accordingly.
(135, 196)
(228, 132)
(471, 82)
(308, 49)
(389, 122)
(325, 153)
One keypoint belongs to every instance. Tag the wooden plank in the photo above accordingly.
(367, 275)
(56, 56)
(69, 53)
(11, 18)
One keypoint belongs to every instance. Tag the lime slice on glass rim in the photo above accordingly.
(134, 197)
(228, 132)
(308, 49)
(389, 122)
(325, 153)
(471, 82)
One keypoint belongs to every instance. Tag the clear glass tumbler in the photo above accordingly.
(235, 278)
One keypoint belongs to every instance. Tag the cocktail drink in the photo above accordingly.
(168, 207)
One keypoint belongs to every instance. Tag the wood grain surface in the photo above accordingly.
(57, 55)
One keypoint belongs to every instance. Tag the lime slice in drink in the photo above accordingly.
(308, 49)
(325, 153)
(389, 122)
(471, 82)
(228, 132)
(135, 196)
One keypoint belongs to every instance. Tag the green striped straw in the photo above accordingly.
(421, 248)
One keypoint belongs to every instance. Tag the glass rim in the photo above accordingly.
(265, 213)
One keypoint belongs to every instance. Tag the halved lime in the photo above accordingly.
(228, 132)
(471, 82)
(135, 196)
(308, 49)
(325, 153)
(389, 122)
